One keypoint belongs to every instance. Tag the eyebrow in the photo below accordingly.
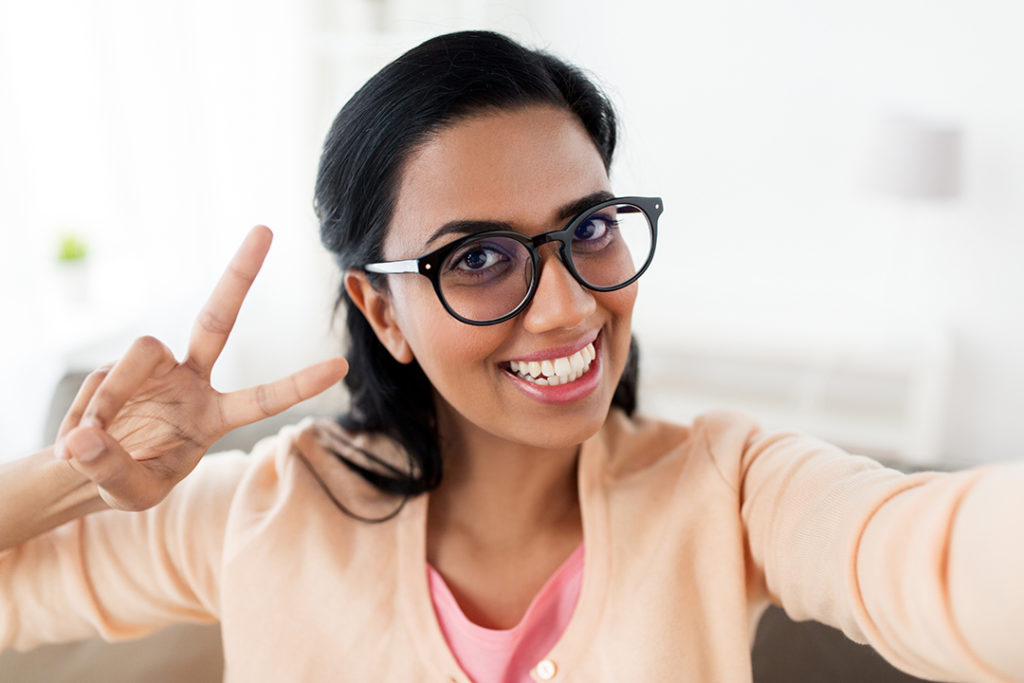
(565, 212)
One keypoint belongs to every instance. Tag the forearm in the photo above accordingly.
(939, 572)
(924, 567)
(985, 570)
(40, 493)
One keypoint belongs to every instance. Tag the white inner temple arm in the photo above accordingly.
(408, 266)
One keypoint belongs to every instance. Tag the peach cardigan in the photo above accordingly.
(689, 531)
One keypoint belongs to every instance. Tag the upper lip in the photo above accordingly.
(559, 351)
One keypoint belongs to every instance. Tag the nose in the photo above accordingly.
(560, 301)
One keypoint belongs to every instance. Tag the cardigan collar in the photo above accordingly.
(413, 589)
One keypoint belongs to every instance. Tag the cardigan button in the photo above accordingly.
(546, 669)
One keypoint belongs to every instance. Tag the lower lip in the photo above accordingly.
(562, 393)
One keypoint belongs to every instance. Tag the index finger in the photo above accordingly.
(213, 325)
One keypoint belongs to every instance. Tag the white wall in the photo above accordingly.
(161, 132)
(164, 130)
(755, 120)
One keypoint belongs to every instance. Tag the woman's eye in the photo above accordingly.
(594, 228)
(478, 259)
(484, 261)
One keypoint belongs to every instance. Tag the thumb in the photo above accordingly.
(124, 482)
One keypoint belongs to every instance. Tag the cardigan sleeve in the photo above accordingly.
(926, 568)
(121, 574)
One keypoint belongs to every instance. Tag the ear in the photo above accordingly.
(376, 307)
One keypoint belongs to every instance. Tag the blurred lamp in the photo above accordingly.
(916, 157)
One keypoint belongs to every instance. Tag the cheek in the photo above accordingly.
(459, 362)
(444, 347)
(620, 303)
(414, 305)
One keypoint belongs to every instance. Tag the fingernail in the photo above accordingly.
(84, 445)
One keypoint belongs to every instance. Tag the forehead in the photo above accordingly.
(518, 167)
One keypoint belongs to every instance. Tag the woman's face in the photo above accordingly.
(528, 168)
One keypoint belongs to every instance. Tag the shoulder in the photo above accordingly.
(726, 442)
(311, 463)
(631, 443)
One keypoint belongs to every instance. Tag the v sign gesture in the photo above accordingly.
(139, 427)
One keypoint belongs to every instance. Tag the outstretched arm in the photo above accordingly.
(925, 568)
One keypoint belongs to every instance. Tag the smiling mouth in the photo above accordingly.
(555, 371)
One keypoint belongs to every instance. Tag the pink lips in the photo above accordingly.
(562, 393)
(561, 351)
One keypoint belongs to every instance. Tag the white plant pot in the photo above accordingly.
(73, 282)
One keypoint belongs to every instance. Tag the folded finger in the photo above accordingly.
(213, 325)
(81, 400)
(130, 484)
(147, 357)
(255, 403)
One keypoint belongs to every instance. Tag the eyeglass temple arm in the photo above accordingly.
(407, 266)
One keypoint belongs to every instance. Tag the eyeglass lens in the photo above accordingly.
(488, 278)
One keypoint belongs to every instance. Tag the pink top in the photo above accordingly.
(507, 655)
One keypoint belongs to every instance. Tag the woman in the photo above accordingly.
(489, 280)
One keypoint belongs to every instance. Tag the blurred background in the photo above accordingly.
(840, 251)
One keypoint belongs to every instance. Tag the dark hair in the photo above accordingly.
(423, 91)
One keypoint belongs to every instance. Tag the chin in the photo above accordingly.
(563, 431)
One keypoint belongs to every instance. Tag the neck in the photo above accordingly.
(496, 494)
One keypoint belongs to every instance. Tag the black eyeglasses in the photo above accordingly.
(490, 277)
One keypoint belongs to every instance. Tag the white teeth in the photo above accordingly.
(576, 362)
(556, 371)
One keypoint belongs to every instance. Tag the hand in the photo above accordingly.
(139, 427)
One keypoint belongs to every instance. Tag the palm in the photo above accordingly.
(149, 423)
(156, 417)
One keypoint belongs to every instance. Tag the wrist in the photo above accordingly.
(75, 491)
(41, 493)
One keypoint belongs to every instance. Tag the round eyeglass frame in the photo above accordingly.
(429, 265)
